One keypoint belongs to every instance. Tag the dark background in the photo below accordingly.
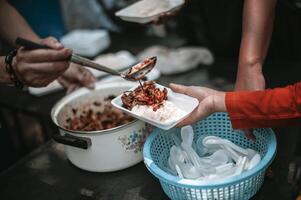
(215, 24)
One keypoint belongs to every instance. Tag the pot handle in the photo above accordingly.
(70, 140)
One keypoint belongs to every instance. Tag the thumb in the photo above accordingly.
(52, 43)
(179, 88)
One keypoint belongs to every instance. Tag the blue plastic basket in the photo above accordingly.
(244, 186)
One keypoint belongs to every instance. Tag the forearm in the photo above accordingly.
(258, 17)
(13, 25)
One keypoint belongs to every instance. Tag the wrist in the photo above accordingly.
(249, 76)
(4, 76)
(11, 70)
(219, 104)
(255, 66)
(14, 66)
(249, 69)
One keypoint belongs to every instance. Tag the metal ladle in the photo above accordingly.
(134, 73)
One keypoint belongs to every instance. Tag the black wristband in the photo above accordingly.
(10, 70)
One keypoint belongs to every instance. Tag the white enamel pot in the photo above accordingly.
(105, 150)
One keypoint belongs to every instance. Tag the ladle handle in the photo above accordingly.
(74, 57)
(30, 45)
(86, 62)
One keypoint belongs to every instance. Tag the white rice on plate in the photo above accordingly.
(167, 113)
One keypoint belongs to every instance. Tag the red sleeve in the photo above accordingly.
(267, 108)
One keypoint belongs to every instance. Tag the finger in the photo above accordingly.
(188, 120)
(179, 88)
(69, 86)
(203, 110)
(72, 88)
(43, 55)
(81, 77)
(161, 19)
(195, 116)
(249, 134)
(164, 17)
(49, 68)
(63, 82)
(156, 21)
(192, 91)
(37, 72)
(36, 80)
(52, 43)
(88, 79)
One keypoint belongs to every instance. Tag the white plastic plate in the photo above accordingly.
(145, 12)
(87, 42)
(186, 103)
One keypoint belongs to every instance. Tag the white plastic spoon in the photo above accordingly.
(180, 174)
(187, 139)
(216, 141)
(189, 171)
(219, 157)
(177, 158)
(254, 161)
(224, 168)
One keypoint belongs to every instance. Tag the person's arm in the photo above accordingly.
(247, 109)
(13, 25)
(34, 68)
(267, 108)
(38, 68)
(258, 18)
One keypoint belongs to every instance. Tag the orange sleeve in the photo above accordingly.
(266, 108)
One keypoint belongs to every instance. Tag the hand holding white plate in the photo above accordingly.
(148, 10)
(177, 107)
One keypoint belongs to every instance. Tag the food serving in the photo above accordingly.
(93, 120)
(155, 104)
(146, 94)
(152, 102)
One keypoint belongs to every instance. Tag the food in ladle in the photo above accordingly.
(139, 71)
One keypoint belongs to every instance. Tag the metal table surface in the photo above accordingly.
(47, 174)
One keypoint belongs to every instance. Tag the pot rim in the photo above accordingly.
(100, 132)
(79, 93)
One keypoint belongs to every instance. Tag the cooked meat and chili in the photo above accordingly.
(92, 120)
(146, 94)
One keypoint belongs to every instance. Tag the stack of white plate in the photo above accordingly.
(87, 42)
